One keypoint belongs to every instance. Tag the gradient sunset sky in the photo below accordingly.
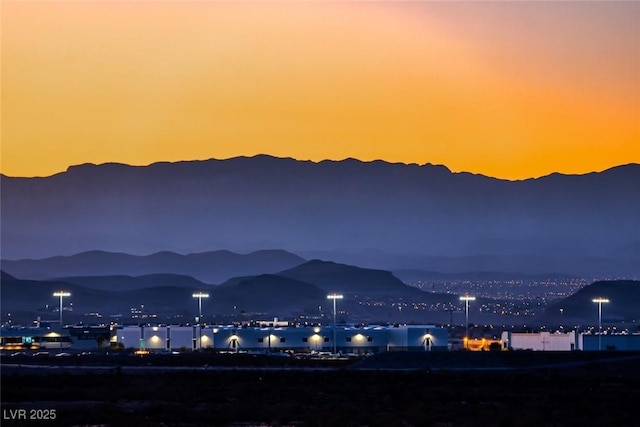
(507, 89)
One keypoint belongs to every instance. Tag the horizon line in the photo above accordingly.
(345, 159)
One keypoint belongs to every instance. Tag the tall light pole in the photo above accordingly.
(466, 298)
(200, 295)
(599, 301)
(334, 297)
(61, 294)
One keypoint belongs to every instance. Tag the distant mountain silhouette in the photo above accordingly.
(623, 296)
(6, 276)
(515, 265)
(36, 296)
(350, 280)
(210, 267)
(298, 290)
(409, 211)
(268, 293)
(128, 283)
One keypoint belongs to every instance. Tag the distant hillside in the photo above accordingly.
(210, 267)
(587, 222)
(128, 283)
(268, 293)
(347, 279)
(261, 295)
(300, 290)
(37, 297)
(5, 276)
(624, 303)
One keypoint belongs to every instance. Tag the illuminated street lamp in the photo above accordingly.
(61, 294)
(200, 295)
(599, 301)
(466, 298)
(334, 297)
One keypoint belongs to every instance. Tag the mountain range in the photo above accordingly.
(369, 296)
(210, 267)
(371, 214)
(302, 289)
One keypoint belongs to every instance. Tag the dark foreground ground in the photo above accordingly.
(446, 389)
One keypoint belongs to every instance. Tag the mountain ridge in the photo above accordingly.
(211, 267)
(90, 165)
(245, 204)
(623, 305)
(287, 293)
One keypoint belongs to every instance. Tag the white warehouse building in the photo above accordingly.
(541, 341)
(547, 341)
(348, 338)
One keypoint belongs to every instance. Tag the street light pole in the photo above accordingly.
(334, 297)
(599, 301)
(61, 294)
(200, 295)
(466, 298)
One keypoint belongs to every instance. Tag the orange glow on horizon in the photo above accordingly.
(512, 90)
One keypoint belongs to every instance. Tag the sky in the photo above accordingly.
(507, 89)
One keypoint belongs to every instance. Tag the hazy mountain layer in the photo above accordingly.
(349, 206)
(210, 267)
(128, 283)
(300, 290)
(350, 280)
(623, 305)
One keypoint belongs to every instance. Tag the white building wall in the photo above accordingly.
(349, 339)
(129, 337)
(540, 341)
(180, 337)
(155, 338)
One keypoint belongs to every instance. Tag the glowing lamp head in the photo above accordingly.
(335, 296)
(62, 294)
(600, 300)
(200, 295)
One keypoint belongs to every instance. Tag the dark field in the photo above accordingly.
(587, 390)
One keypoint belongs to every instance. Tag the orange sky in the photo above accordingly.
(507, 89)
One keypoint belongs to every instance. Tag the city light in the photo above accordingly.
(600, 301)
(334, 297)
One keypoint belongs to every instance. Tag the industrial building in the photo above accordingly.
(547, 341)
(542, 341)
(281, 336)
(32, 339)
(622, 342)
(349, 339)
